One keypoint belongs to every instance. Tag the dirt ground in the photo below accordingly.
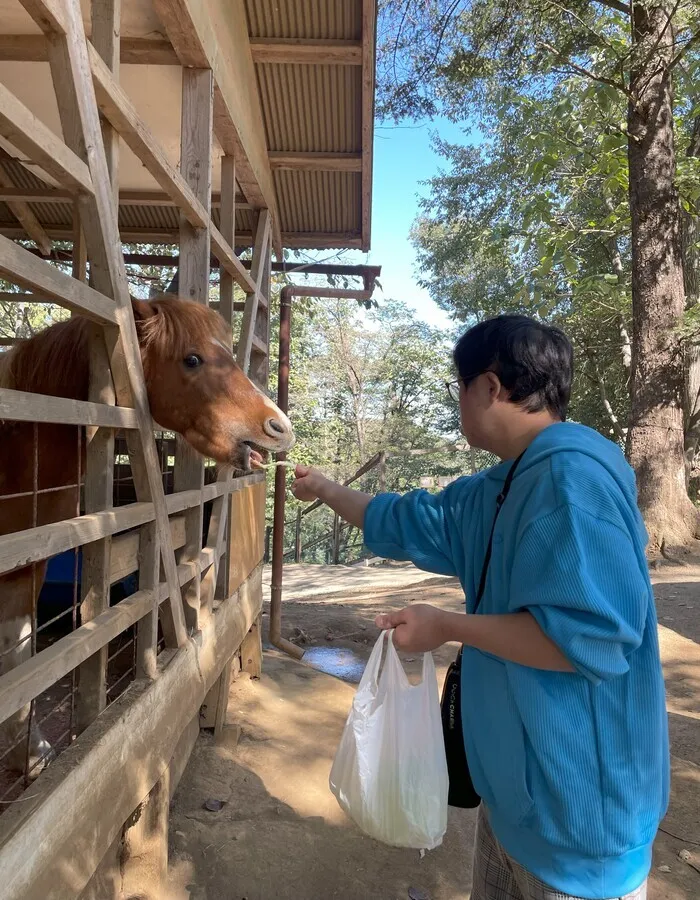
(280, 833)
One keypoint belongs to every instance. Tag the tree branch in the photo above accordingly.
(579, 70)
(615, 422)
(618, 5)
(682, 52)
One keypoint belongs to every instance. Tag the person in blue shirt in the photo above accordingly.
(563, 704)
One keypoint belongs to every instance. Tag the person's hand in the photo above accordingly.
(418, 628)
(307, 482)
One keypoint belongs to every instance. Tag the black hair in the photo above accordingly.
(534, 361)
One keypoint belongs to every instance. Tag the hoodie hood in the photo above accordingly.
(571, 437)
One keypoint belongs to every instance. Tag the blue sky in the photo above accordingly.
(403, 158)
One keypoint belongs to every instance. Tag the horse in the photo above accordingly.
(195, 388)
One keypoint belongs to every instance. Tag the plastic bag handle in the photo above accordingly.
(393, 667)
(369, 676)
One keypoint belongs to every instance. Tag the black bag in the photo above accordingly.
(461, 790)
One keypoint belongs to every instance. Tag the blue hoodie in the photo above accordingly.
(573, 767)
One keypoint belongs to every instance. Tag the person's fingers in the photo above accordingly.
(390, 620)
(401, 638)
(301, 471)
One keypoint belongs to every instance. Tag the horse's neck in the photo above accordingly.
(56, 362)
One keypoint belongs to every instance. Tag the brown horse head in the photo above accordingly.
(196, 387)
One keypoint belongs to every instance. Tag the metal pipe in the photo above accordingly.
(281, 486)
(289, 291)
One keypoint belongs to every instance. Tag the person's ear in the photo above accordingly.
(495, 389)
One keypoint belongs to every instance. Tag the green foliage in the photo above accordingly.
(535, 218)
(362, 381)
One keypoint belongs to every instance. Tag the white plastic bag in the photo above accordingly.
(389, 773)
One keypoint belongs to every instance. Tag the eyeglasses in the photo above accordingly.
(453, 389)
(453, 386)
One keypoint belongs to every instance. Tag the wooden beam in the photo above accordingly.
(106, 28)
(132, 51)
(251, 650)
(20, 406)
(48, 15)
(319, 240)
(259, 345)
(316, 162)
(126, 198)
(26, 217)
(37, 674)
(120, 111)
(196, 144)
(199, 32)
(148, 52)
(79, 253)
(23, 268)
(228, 232)
(98, 487)
(260, 359)
(129, 235)
(23, 130)
(297, 51)
(27, 681)
(229, 261)
(21, 548)
(148, 564)
(75, 95)
(369, 32)
(128, 552)
(145, 727)
(219, 519)
(250, 316)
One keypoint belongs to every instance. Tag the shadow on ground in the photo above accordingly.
(281, 833)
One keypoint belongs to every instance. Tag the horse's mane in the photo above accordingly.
(56, 361)
(177, 328)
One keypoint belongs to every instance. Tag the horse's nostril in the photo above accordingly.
(276, 425)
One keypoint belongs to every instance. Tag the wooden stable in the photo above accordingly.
(222, 126)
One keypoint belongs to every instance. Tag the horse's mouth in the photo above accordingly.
(254, 456)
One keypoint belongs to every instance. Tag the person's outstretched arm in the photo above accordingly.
(312, 485)
(412, 527)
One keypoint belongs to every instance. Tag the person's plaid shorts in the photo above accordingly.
(498, 877)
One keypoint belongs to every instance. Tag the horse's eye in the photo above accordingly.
(193, 361)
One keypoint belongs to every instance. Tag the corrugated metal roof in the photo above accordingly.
(310, 19)
(311, 108)
(306, 108)
(319, 202)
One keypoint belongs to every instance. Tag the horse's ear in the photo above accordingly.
(142, 310)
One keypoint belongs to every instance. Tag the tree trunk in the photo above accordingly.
(656, 436)
(690, 235)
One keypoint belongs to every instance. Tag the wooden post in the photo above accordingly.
(144, 858)
(215, 581)
(68, 54)
(195, 166)
(227, 213)
(99, 468)
(255, 302)
(251, 650)
(260, 361)
(297, 538)
(213, 710)
(149, 577)
(79, 247)
(336, 539)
